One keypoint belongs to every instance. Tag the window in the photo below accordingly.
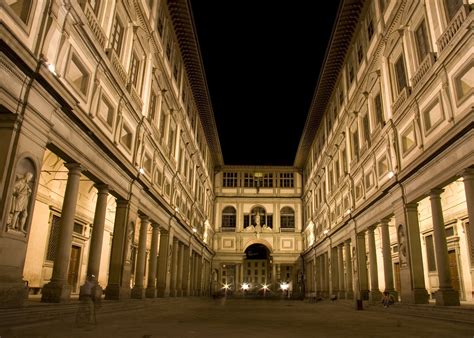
(77, 75)
(168, 49)
(162, 125)
(175, 71)
(228, 217)
(464, 82)
(432, 116)
(286, 180)
(134, 70)
(369, 180)
(171, 139)
(400, 74)
(53, 238)
(269, 222)
(95, 5)
(287, 218)
(106, 111)
(365, 123)
(355, 144)
(378, 107)
(117, 36)
(248, 180)
(350, 72)
(430, 254)
(344, 161)
(246, 220)
(408, 140)
(268, 180)
(421, 39)
(258, 216)
(22, 8)
(229, 180)
(370, 26)
(160, 22)
(452, 7)
(336, 169)
(382, 166)
(127, 136)
(360, 53)
(152, 107)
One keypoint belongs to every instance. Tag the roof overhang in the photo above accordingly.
(183, 23)
(341, 36)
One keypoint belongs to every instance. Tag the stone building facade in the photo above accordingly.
(110, 163)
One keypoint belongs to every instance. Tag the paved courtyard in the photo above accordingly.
(203, 317)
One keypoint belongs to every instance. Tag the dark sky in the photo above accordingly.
(262, 60)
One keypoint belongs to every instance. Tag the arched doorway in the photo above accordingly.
(257, 269)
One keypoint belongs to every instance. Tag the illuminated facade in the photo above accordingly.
(110, 163)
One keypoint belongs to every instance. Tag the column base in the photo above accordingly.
(138, 292)
(394, 294)
(341, 295)
(150, 292)
(173, 293)
(13, 295)
(55, 292)
(162, 292)
(117, 292)
(179, 293)
(416, 296)
(349, 294)
(447, 297)
(375, 296)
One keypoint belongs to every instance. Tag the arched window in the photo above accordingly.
(287, 218)
(228, 218)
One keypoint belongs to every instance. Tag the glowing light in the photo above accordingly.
(194, 230)
(52, 68)
(284, 286)
(141, 171)
(391, 174)
(226, 286)
(326, 231)
(265, 287)
(245, 286)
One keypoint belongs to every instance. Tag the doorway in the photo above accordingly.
(73, 273)
(453, 268)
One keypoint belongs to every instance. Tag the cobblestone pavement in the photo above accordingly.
(203, 317)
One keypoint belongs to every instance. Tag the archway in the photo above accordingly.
(257, 266)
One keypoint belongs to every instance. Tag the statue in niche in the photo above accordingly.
(129, 245)
(20, 201)
(402, 245)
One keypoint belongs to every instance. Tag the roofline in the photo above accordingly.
(183, 23)
(341, 36)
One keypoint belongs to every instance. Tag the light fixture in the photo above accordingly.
(391, 174)
(226, 286)
(325, 232)
(284, 286)
(141, 170)
(245, 286)
(52, 68)
(194, 230)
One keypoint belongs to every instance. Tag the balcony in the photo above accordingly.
(94, 25)
(453, 27)
(135, 97)
(423, 68)
(117, 65)
(402, 97)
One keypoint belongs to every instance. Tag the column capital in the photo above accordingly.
(144, 218)
(436, 192)
(411, 206)
(102, 188)
(468, 174)
(74, 168)
(384, 221)
(371, 228)
(155, 226)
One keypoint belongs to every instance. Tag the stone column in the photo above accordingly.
(138, 291)
(334, 260)
(163, 288)
(362, 267)
(118, 286)
(375, 295)
(387, 258)
(468, 179)
(274, 276)
(325, 274)
(349, 284)
(179, 279)
(97, 236)
(446, 295)
(340, 272)
(174, 267)
(411, 263)
(58, 289)
(185, 280)
(152, 262)
(191, 273)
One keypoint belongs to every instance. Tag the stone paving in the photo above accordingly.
(204, 317)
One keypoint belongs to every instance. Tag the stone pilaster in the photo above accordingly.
(118, 286)
(138, 291)
(185, 284)
(163, 274)
(152, 262)
(348, 267)
(446, 295)
(363, 289)
(468, 179)
(387, 258)
(58, 289)
(334, 269)
(174, 267)
(340, 266)
(375, 295)
(179, 278)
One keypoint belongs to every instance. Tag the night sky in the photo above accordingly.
(262, 60)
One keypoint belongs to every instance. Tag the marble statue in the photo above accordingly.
(20, 201)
